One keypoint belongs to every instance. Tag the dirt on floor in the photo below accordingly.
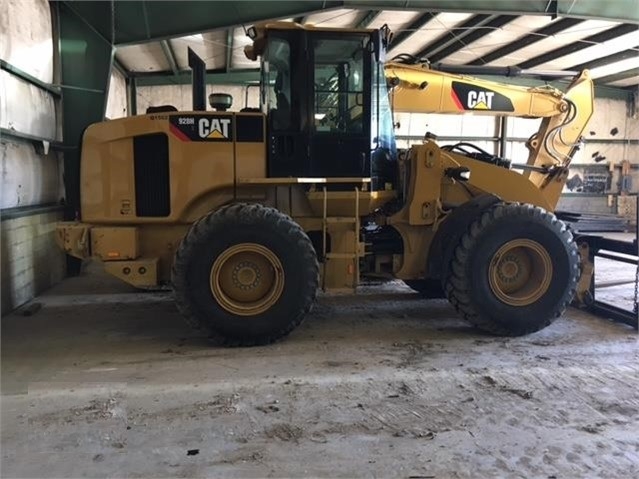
(106, 381)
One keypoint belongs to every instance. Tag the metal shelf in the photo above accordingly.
(55, 91)
(37, 141)
(22, 211)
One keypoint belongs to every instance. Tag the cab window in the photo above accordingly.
(339, 85)
(276, 83)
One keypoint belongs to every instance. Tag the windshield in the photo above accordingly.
(339, 78)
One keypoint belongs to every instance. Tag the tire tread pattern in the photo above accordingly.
(457, 286)
(243, 213)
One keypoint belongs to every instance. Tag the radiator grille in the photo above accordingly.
(151, 169)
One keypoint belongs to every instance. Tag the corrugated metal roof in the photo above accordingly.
(396, 20)
(458, 38)
(147, 57)
(560, 39)
(634, 80)
(440, 24)
(596, 51)
(497, 38)
(342, 18)
(211, 47)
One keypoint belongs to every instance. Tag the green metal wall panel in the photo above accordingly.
(138, 21)
(86, 59)
(618, 10)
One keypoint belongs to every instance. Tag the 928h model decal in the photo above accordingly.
(471, 97)
(202, 127)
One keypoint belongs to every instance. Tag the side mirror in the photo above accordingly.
(387, 35)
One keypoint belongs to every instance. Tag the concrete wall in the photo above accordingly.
(613, 120)
(592, 204)
(29, 178)
(25, 34)
(27, 108)
(30, 261)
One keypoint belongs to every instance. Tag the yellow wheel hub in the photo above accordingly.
(520, 272)
(247, 279)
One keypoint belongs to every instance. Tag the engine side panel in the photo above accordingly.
(124, 175)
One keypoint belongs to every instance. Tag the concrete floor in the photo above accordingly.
(106, 381)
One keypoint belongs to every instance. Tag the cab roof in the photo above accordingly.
(260, 32)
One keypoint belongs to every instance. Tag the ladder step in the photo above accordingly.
(340, 219)
(341, 256)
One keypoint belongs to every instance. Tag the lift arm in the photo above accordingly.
(418, 88)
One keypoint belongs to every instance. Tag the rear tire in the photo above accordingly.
(247, 274)
(514, 271)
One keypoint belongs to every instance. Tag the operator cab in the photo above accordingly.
(325, 96)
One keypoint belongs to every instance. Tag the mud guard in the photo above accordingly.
(451, 230)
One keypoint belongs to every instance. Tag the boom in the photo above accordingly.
(421, 89)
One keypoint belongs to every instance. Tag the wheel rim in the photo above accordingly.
(520, 272)
(247, 279)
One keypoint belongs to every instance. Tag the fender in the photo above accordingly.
(451, 230)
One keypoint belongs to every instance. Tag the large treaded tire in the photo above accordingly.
(467, 284)
(237, 224)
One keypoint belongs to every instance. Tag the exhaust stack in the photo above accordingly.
(198, 81)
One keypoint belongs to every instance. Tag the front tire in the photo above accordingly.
(246, 273)
(514, 271)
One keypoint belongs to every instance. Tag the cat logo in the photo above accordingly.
(480, 100)
(202, 127)
(469, 97)
(214, 128)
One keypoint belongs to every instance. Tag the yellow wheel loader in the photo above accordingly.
(246, 214)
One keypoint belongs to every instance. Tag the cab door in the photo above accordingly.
(286, 108)
(340, 129)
